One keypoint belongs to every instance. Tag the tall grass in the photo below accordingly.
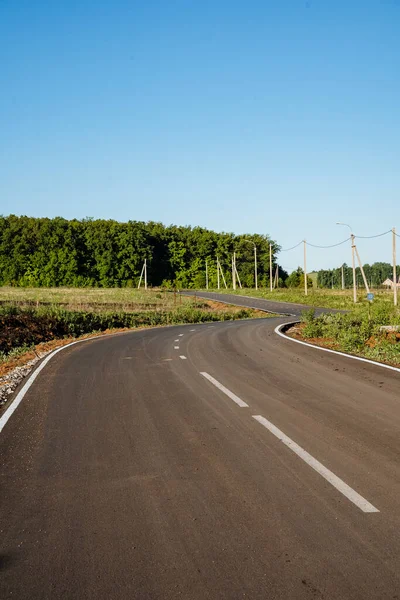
(359, 331)
(96, 299)
(23, 327)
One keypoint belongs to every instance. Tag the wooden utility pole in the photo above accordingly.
(270, 267)
(140, 278)
(362, 270)
(237, 275)
(222, 275)
(305, 267)
(394, 268)
(255, 266)
(354, 269)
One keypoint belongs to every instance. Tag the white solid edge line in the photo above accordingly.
(333, 479)
(366, 360)
(183, 357)
(225, 390)
(20, 396)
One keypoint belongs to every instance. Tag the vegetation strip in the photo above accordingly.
(372, 334)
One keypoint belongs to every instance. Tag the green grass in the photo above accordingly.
(358, 332)
(93, 299)
(317, 297)
(32, 316)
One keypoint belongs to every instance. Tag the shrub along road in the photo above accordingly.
(203, 462)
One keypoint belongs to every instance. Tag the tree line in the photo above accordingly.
(107, 253)
(375, 274)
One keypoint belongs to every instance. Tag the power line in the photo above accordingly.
(332, 246)
(364, 237)
(369, 237)
(292, 248)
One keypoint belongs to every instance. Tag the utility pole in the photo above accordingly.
(270, 267)
(222, 275)
(352, 258)
(218, 283)
(305, 267)
(234, 270)
(237, 275)
(394, 268)
(342, 278)
(141, 276)
(145, 273)
(206, 275)
(276, 280)
(255, 266)
(354, 270)
(362, 270)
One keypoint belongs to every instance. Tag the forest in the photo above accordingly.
(43, 252)
(106, 253)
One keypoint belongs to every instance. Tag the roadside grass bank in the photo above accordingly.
(23, 327)
(320, 298)
(371, 332)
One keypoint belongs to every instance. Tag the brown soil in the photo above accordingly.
(22, 359)
(296, 332)
(221, 307)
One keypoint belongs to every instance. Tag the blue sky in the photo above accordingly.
(257, 116)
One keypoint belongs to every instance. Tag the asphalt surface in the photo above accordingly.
(282, 308)
(126, 473)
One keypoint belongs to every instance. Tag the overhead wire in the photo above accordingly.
(369, 237)
(292, 248)
(363, 237)
(332, 246)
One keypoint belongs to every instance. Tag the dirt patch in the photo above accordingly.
(224, 308)
(296, 332)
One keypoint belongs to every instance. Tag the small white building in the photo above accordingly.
(389, 283)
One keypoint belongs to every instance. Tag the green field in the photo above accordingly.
(318, 297)
(97, 299)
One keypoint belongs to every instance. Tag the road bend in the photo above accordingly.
(203, 462)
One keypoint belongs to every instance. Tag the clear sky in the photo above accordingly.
(278, 117)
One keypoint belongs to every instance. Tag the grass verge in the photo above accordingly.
(23, 327)
(340, 299)
(373, 332)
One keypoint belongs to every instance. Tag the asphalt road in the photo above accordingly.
(282, 308)
(126, 473)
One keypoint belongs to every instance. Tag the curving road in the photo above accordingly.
(134, 468)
